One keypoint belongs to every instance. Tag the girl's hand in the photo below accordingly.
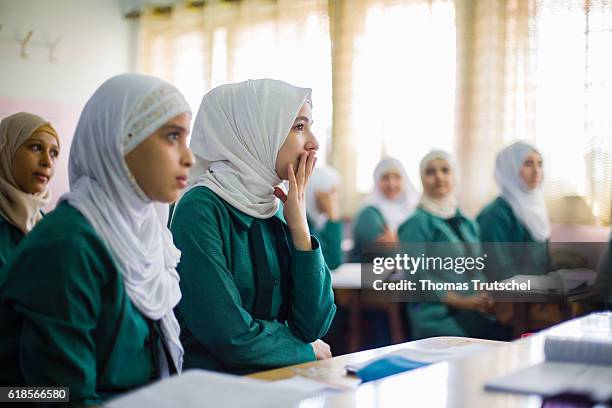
(321, 349)
(387, 237)
(328, 204)
(295, 202)
(481, 302)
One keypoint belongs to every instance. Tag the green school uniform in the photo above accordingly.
(10, 236)
(251, 301)
(330, 237)
(499, 224)
(66, 319)
(368, 225)
(438, 319)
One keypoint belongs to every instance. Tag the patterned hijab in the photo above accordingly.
(122, 113)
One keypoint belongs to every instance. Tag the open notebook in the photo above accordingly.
(576, 365)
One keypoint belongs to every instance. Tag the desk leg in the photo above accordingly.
(354, 340)
(395, 323)
(521, 319)
(350, 299)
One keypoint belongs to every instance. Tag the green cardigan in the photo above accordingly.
(498, 227)
(330, 237)
(438, 319)
(65, 317)
(251, 301)
(368, 224)
(10, 236)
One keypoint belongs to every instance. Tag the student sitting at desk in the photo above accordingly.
(323, 213)
(89, 295)
(392, 202)
(439, 220)
(518, 215)
(256, 290)
(29, 147)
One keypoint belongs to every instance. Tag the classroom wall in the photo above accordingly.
(96, 43)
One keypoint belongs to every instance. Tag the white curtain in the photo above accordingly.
(406, 76)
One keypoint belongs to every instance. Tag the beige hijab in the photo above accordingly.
(17, 207)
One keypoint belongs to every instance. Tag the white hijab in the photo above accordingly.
(445, 207)
(120, 115)
(323, 179)
(395, 211)
(527, 205)
(236, 137)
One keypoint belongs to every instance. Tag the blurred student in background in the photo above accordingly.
(439, 221)
(323, 213)
(391, 203)
(29, 149)
(517, 215)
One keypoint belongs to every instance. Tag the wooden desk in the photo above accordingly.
(346, 281)
(458, 383)
(332, 371)
(521, 322)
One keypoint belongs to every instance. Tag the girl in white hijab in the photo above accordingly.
(440, 199)
(517, 215)
(90, 294)
(29, 148)
(256, 291)
(393, 201)
(438, 229)
(323, 213)
(518, 172)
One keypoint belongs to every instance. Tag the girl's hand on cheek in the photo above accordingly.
(295, 201)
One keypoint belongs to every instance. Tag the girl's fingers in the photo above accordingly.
(292, 180)
(301, 170)
(310, 163)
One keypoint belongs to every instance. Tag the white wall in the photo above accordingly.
(94, 46)
(96, 43)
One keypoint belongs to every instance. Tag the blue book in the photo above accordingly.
(386, 366)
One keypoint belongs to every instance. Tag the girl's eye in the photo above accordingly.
(174, 136)
(445, 170)
(36, 147)
(299, 127)
(54, 153)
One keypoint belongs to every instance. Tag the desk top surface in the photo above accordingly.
(458, 383)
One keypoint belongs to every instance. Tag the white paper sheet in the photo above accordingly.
(199, 388)
(428, 355)
(307, 385)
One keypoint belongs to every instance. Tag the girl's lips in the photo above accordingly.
(181, 181)
(41, 177)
